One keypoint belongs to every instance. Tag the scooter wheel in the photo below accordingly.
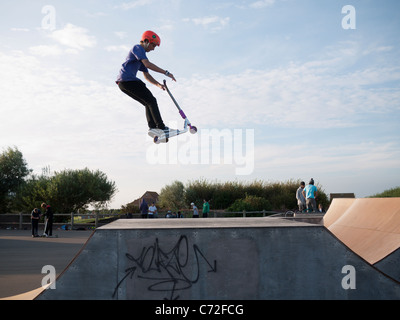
(156, 140)
(193, 130)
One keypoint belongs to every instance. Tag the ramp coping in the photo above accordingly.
(176, 223)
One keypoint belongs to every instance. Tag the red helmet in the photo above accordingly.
(152, 37)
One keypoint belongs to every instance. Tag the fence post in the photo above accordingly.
(263, 213)
(244, 213)
(96, 224)
(20, 221)
(72, 220)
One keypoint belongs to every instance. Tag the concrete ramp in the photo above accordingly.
(219, 259)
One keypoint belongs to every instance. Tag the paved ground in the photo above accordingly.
(22, 257)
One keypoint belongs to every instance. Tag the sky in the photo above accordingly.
(278, 89)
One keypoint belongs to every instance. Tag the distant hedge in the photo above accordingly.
(390, 193)
(239, 196)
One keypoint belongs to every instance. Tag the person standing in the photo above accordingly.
(310, 192)
(195, 210)
(35, 216)
(144, 209)
(48, 213)
(152, 213)
(206, 208)
(301, 201)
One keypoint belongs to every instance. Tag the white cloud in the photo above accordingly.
(121, 48)
(121, 34)
(377, 49)
(215, 23)
(74, 37)
(20, 29)
(317, 93)
(96, 14)
(262, 4)
(134, 4)
(71, 112)
(44, 50)
(344, 157)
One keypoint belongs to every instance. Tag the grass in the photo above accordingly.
(390, 193)
(79, 220)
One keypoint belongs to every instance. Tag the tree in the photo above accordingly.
(66, 191)
(13, 170)
(172, 196)
(32, 193)
(71, 190)
(198, 190)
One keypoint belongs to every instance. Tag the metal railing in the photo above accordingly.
(21, 219)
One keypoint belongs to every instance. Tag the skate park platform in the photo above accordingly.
(239, 258)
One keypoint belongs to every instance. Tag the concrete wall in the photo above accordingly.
(238, 258)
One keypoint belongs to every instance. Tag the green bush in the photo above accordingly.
(250, 203)
(223, 195)
(390, 193)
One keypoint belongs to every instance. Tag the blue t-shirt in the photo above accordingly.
(133, 64)
(309, 191)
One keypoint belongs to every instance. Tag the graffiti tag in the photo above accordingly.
(167, 271)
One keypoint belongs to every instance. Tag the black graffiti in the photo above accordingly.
(167, 269)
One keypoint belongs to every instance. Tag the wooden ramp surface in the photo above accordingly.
(368, 226)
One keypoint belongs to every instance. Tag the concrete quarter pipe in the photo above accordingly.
(219, 259)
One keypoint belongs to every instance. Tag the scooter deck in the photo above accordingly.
(160, 136)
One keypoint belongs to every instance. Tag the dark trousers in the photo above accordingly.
(48, 229)
(311, 205)
(35, 227)
(137, 90)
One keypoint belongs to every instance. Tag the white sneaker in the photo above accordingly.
(155, 132)
(159, 132)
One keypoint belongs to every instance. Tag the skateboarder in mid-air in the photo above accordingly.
(135, 88)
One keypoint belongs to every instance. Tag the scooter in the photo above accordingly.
(160, 136)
